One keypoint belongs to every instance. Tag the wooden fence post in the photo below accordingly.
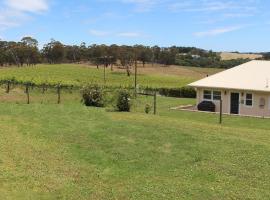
(135, 80)
(8, 86)
(59, 93)
(43, 88)
(155, 103)
(220, 112)
(104, 75)
(27, 93)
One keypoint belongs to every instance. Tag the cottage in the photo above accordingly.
(244, 90)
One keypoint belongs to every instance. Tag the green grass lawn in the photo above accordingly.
(78, 75)
(68, 151)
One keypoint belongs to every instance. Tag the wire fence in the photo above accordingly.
(30, 92)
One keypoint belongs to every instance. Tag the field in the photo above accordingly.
(78, 75)
(231, 56)
(69, 151)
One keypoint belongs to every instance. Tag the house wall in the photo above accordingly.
(254, 110)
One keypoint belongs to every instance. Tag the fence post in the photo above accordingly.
(104, 75)
(43, 88)
(59, 93)
(27, 93)
(220, 112)
(155, 102)
(135, 80)
(8, 86)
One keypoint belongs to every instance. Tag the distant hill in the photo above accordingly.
(231, 56)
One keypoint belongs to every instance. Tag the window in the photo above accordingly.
(211, 95)
(217, 95)
(249, 99)
(207, 94)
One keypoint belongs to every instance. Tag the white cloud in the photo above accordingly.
(213, 6)
(10, 18)
(129, 34)
(144, 5)
(218, 31)
(99, 33)
(33, 6)
(16, 12)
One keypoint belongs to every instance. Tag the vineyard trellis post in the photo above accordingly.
(8, 86)
(104, 75)
(43, 88)
(135, 81)
(59, 93)
(27, 93)
(155, 102)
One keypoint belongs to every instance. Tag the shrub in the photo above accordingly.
(123, 101)
(188, 92)
(147, 108)
(184, 92)
(92, 95)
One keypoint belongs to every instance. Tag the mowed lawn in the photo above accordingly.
(68, 151)
(78, 75)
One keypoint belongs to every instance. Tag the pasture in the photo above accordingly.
(69, 151)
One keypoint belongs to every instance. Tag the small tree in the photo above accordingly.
(92, 95)
(123, 101)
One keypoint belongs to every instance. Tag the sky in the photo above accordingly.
(219, 25)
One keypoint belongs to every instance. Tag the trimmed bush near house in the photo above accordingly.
(184, 92)
(123, 103)
(188, 92)
(92, 95)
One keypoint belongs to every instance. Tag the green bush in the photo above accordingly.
(123, 103)
(147, 108)
(92, 95)
(188, 92)
(184, 92)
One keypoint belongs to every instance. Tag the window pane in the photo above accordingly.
(249, 96)
(207, 94)
(217, 95)
(249, 100)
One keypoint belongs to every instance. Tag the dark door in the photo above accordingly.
(235, 103)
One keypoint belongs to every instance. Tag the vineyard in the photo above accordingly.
(70, 75)
(26, 84)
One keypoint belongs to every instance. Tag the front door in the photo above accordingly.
(235, 103)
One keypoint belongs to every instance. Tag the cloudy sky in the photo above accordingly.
(230, 25)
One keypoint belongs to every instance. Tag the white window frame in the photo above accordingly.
(252, 99)
(212, 95)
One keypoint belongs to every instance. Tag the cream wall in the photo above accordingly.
(254, 110)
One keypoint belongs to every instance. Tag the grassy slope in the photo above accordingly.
(79, 74)
(69, 151)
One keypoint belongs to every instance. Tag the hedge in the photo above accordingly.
(184, 92)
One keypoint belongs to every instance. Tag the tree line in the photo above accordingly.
(26, 52)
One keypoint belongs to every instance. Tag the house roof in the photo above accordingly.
(252, 76)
